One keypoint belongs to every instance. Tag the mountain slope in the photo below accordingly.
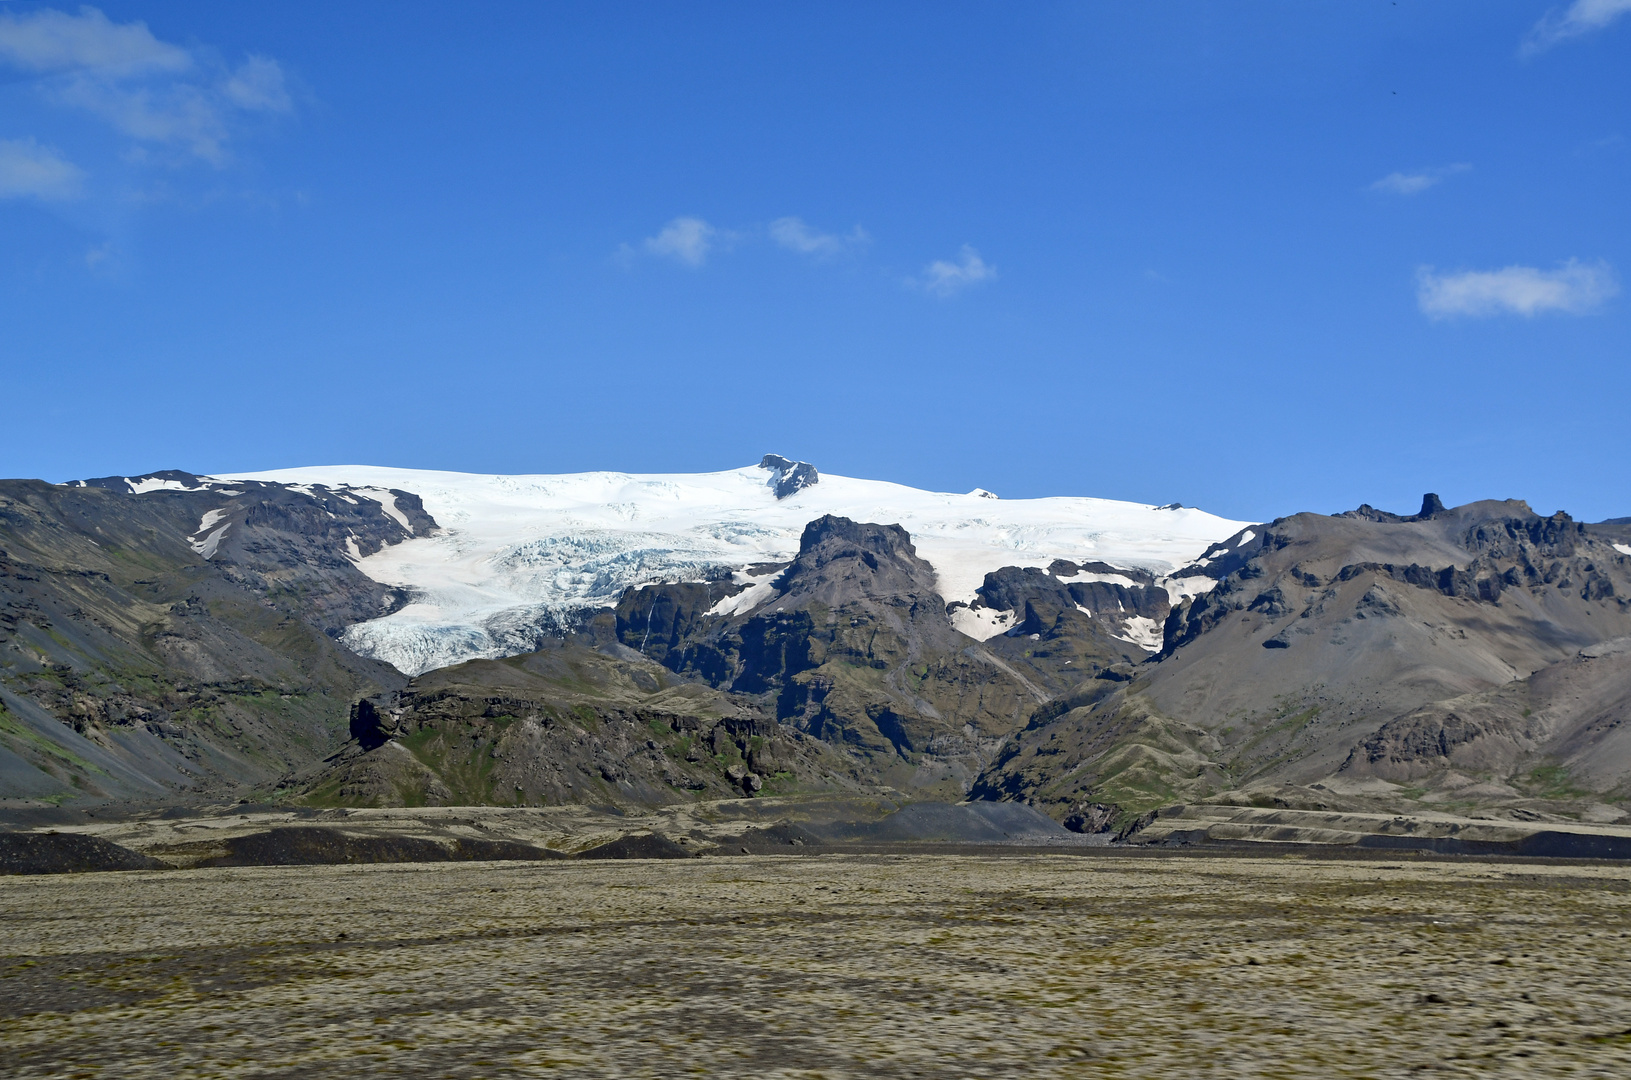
(1566, 729)
(177, 641)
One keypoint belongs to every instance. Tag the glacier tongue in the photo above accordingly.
(518, 556)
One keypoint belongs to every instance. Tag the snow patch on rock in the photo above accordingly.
(1141, 631)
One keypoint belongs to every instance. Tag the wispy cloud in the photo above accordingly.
(147, 89)
(685, 239)
(941, 278)
(1413, 183)
(29, 170)
(794, 235)
(1574, 288)
(56, 41)
(258, 84)
(1578, 19)
(691, 240)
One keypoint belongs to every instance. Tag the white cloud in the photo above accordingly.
(686, 239)
(28, 169)
(943, 278)
(145, 88)
(56, 41)
(1405, 183)
(178, 114)
(1413, 183)
(794, 235)
(1580, 18)
(258, 85)
(1574, 288)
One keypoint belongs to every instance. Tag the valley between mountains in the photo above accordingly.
(363, 637)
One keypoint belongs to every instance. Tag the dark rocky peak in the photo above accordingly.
(128, 484)
(413, 508)
(291, 541)
(1011, 587)
(789, 476)
(1495, 553)
(1324, 544)
(841, 560)
(830, 528)
(1431, 506)
(308, 510)
(657, 621)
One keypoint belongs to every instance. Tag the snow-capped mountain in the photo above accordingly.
(176, 633)
(516, 556)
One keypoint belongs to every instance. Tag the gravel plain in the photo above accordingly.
(823, 966)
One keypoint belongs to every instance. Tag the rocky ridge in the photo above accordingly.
(567, 724)
(1338, 657)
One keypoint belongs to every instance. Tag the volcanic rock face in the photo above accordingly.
(1306, 651)
(1094, 600)
(851, 643)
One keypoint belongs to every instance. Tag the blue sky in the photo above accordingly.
(1254, 257)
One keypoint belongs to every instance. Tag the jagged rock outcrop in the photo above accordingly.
(851, 643)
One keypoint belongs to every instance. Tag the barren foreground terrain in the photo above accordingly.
(837, 965)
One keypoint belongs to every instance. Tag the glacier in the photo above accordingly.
(518, 557)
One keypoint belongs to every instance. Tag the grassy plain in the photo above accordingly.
(1005, 965)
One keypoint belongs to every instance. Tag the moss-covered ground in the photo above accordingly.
(830, 966)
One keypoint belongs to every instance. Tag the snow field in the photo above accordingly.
(515, 555)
